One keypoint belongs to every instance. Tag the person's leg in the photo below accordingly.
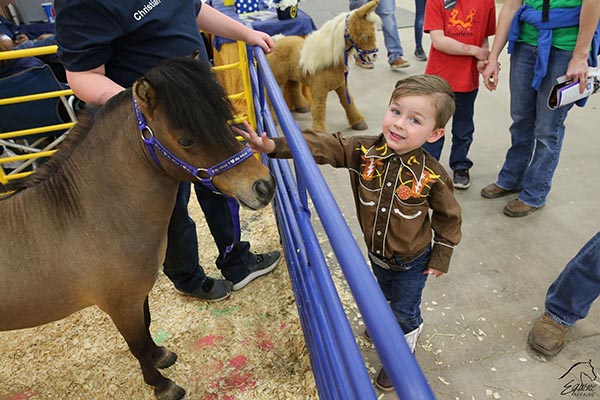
(570, 296)
(235, 260)
(220, 222)
(568, 299)
(419, 18)
(354, 4)
(181, 263)
(462, 130)
(548, 133)
(435, 148)
(404, 291)
(523, 100)
(386, 9)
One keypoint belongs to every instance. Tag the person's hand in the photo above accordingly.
(21, 38)
(434, 272)
(261, 39)
(490, 74)
(481, 54)
(578, 71)
(257, 143)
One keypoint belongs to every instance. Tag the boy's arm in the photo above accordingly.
(326, 148)
(446, 223)
(452, 46)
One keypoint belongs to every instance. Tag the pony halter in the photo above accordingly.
(362, 54)
(153, 145)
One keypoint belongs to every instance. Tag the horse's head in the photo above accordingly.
(360, 28)
(184, 115)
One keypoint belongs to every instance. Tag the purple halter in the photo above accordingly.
(153, 145)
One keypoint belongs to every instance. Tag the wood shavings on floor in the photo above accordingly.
(249, 346)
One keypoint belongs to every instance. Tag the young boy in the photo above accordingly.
(459, 31)
(395, 184)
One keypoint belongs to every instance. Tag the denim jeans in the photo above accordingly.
(404, 290)
(419, 19)
(536, 132)
(181, 263)
(386, 9)
(570, 296)
(462, 132)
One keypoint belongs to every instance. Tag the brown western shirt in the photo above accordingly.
(393, 195)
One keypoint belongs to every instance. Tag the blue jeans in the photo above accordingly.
(181, 263)
(462, 132)
(536, 132)
(419, 18)
(386, 9)
(570, 296)
(404, 290)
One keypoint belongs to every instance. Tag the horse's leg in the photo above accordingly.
(355, 118)
(296, 99)
(133, 320)
(319, 106)
(163, 357)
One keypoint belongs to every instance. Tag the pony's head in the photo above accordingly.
(361, 29)
(188, 112)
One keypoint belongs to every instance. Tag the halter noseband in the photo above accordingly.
(153, 145)
(363, 54)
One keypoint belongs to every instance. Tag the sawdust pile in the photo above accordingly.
(249, 346)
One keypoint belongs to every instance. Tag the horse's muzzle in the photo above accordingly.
(264, 189)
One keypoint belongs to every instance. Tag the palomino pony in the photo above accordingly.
(321, 62)
(90, 227)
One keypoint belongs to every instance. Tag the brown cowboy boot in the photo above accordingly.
(547, 336)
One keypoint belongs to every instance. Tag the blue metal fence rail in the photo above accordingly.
(338, 367)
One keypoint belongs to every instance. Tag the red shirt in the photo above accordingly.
(469, 22)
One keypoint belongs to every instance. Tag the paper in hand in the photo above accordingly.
(567, 91)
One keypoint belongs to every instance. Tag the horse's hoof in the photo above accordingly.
(164, 358)
(170, 392)
(361, 126)
(302, 110)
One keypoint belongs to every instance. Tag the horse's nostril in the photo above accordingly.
(265, 189)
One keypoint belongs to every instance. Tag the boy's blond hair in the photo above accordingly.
(432, 86)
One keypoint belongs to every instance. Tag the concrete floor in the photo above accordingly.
(474, 344)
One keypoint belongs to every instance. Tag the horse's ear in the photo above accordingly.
(367, 8)
(145, 96)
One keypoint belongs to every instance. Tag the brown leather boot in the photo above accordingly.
(547, 336)
(516, 209)
(493, 191)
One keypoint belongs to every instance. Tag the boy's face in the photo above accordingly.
(409, 122)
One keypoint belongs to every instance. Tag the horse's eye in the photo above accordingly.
(185, 143)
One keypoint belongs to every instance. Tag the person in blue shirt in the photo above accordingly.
(105, 46)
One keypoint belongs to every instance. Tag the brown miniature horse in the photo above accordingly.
(321, 62)
(90, 227)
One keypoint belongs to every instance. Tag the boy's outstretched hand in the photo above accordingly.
(257, 143)
(434, 272)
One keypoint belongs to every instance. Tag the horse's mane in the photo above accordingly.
(194, 102)
(193, 99)
(325, 47)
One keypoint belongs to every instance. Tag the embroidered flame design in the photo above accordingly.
(465, 24)
(404, 192)
(370, 167)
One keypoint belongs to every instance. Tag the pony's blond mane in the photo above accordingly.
(325, 47)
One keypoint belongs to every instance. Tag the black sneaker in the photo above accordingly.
(420, 55)
(265, 263)
(461, 179)
(383, 382)
(211, 290)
